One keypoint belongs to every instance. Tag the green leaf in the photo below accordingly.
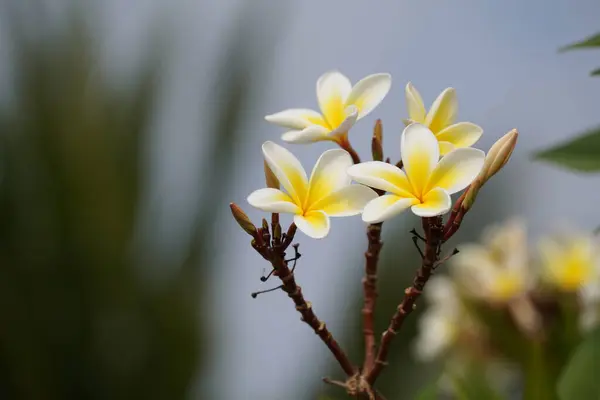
(590, 41)
(580, 154)
(579, 379)
(429, 392)
(595, 72)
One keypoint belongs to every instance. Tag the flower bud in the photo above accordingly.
(270, 178)
(242, 219)
(377, 142)
(495, 160)
(500, 153)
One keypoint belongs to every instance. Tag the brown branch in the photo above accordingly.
(304, 307)
(434, 234)
(344, 143)
(276, 256)
(370, 290)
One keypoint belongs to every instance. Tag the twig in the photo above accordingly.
(276, 256)
(304, 307)
(370, 291)
(434, 233)
(344, 143)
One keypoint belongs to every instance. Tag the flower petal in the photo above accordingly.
(445, 148)
(382, 176)
(314, 224)
(288, 170)
(347, 201)
(311, 134)
(463, 134)
(296, 118)
(456, 170)
(351, 115)
(414, 103)
(443, 111)
(273, 200)
(333, 88)
(369, 92)
(328, 175)
(420, 153)
(386, 207)
(436, 202)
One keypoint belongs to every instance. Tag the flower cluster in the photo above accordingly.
(437, 161)
(500, 293)
(435, 152)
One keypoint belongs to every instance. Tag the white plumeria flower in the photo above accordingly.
(428, 182)
(589, 296)
(570, 261)
(341, 106)
(328, 193)
(498, 270)
(441, 119)
(441, 323)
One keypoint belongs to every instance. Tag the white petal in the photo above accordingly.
(369, 92)
(382, 176)
(385, 207)
(446, 147)
(436, 202)
(463, 134)
(287, 169)
(351, 116)
(350, 200)
(443, 111)
(314, 224)
(273, 200)
(296, 118)
(333, 88)
(457, 170)
(328, 175)
(313, 133)
(414, 103)
(420, 153)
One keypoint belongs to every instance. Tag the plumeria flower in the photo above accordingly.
(341, 106)
(440, 119)
(428, 182)
(439, 327)
(570, 261)
(328, 192)
(497, 270)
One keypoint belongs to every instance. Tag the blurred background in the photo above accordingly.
(126, 128)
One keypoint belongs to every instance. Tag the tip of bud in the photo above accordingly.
(377, 141)
(242, 219)
(270, 178)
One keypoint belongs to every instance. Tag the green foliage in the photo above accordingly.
(579, 154)
(80, 318)
(429, 392)
(589, 42)
(579, 379)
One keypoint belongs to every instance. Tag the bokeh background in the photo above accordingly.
(127, 128)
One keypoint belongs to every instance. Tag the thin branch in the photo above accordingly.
(434, 233)
(370, 291)
(276, 256)
(294, 291)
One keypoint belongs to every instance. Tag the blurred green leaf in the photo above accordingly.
(589, 42)
(579, 154)
(595, 72)
(579, 379)
(430, 392)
